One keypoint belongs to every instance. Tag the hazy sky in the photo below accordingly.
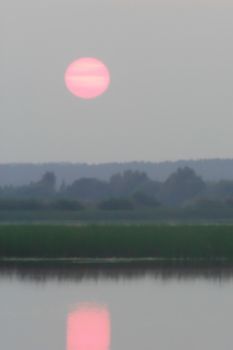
(171, 93)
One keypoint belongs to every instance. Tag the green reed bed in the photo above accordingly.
(210, 242)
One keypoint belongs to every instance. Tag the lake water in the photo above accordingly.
(128, 308)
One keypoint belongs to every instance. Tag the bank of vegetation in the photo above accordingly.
(180, 242)
(129, 196)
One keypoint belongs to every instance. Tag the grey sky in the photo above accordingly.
(171, 94)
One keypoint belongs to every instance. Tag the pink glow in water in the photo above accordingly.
(88, 328)
(87, 78)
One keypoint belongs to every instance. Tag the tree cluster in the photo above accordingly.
(123, 191)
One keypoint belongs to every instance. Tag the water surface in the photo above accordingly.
(105, 308)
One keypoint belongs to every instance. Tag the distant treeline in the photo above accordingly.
(123, 191)
(18, 174)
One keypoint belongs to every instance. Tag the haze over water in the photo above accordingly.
(164, 310)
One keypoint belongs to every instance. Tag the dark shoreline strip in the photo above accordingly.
(116, 242)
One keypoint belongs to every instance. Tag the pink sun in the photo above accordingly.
(87, 78)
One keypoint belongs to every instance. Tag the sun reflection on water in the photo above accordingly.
(89, 328)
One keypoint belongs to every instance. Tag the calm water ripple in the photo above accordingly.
(111, 307)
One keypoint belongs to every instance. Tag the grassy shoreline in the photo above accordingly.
(145, 241)
(144, 216)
